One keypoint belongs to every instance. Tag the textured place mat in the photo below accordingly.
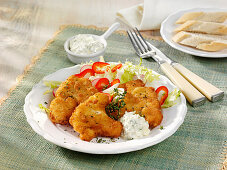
(199, 143)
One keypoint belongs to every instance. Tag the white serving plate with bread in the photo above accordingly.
(169, 25)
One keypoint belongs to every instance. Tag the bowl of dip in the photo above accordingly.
(85, 47)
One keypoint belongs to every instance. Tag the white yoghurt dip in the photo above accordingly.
(85, 44)
(134, 126)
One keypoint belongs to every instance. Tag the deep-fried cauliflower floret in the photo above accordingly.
(130, 85)
(71, 93)
(78, 88)
(144, 101)
(90, 119)
(61, 109)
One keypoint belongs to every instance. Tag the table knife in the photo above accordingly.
(210, 91)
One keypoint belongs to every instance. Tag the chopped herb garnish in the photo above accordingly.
(161, 127)
(113, 140)
(106, 86)
(141, 114)
(99, 140)
(115, 106)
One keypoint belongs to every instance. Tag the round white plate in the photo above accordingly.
(65, 136)
(169, 24)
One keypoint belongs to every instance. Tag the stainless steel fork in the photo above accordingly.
(144, 50)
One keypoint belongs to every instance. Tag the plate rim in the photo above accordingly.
(183, 48)
(35, 126)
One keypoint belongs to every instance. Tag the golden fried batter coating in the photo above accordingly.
(130, 85)
(90, 119)
(144, 101)
(61, 109)
(71, 93)
(79, 88)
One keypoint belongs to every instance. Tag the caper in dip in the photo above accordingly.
(134, 126)
(85, 44)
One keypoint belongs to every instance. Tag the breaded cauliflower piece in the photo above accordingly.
(61, 109)
(78, 88)
(69, 95)
(90, 119)
(143, 100)
(130, 85)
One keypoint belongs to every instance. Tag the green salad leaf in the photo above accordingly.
(127, 76)
(172, 99)
(44, 109)
(51, 84)
(131, 70)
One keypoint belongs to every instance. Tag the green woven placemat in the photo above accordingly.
(199, 143)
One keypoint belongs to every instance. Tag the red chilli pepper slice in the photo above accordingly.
(54, 91)
(98, 67)
(95, 81)
(165, 95)
(85, 67)
(103, 82)
(116, 67)
(115, 81)
(86, 73)
(111, 98)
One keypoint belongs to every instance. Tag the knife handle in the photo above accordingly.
(194, 97)
(210, 91)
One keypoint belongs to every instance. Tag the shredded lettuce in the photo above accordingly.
(108, 74)
(141, 60)
(51, 84)
(141, 72)
(87, 63)
(44, 109)
(47, 91)
(172, 99)
(127, 76)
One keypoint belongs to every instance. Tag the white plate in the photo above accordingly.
(168, 26)
(64, 136)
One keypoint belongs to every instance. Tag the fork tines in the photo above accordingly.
(138, 42)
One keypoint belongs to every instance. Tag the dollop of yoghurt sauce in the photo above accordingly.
(85, 44)
(134, 126)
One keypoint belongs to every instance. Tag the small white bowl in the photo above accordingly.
(79, 58)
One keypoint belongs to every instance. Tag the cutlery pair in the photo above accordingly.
(191, 85)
